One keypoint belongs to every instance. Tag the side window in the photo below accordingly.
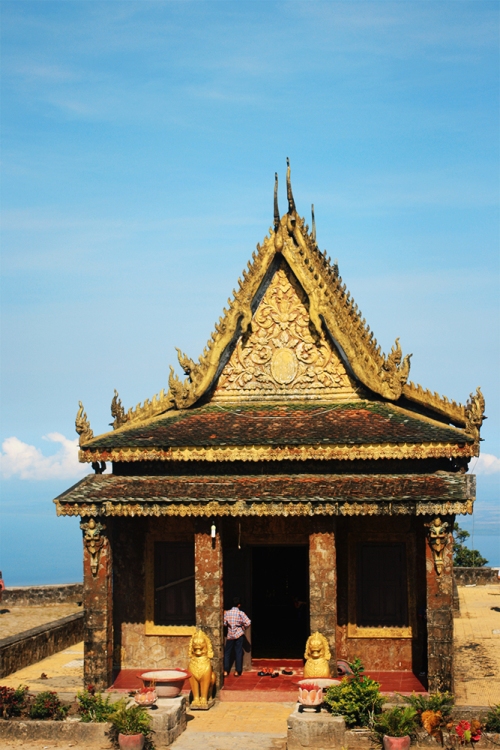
(381, 585)
(174, 591)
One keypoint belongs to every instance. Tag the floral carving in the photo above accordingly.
(281, 356)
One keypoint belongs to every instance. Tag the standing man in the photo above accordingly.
(237, 622)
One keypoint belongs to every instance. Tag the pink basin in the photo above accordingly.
(168, 682)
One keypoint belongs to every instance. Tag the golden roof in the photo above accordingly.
(293, 332)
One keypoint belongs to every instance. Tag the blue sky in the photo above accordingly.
(139, 145)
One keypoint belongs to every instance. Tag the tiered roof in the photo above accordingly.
(292, 371)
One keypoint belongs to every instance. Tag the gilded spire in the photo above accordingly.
(313, 222)
(291, 202)
(276, 207)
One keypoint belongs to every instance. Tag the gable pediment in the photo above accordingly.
(280, 357)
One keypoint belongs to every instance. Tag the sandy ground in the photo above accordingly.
(16, 619)
(477, 646)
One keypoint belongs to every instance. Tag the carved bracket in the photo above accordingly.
(438, 539)
(93, 541)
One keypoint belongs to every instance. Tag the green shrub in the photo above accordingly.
(93, 707)
(48, 706)
(357, 698)
(434, 702)
(12, 701)
(130, 720)
(492, 723)
(399, 721)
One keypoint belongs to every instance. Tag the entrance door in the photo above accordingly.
(280, 602)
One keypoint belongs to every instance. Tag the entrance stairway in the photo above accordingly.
(251, 687)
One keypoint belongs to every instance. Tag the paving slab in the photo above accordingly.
(245, 725)
(64, 673)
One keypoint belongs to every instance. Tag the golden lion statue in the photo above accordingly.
(200, 667)
(317, 656)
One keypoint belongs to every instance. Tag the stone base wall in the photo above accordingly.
(377, 654)
(27, 596)
(168, 722)
(150, 651)
(322, 731)
(26, 648)
(476, 576)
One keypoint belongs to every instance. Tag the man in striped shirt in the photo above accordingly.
(237, 622)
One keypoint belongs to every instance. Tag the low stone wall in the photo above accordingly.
(322, 731)
(168, 722)
(28, 596)
(32, 645)
(476, 576)
(66, 731)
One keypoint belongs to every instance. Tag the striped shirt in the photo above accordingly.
(237, 622)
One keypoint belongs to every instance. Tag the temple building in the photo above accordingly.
(295, 466)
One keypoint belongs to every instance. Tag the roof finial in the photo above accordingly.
(291, 202)
(276, 207)
(313, 230)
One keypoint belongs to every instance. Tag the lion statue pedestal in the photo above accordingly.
(202, 678)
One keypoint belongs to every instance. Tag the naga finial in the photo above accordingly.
(313, 222)
(117, 412)
(185, 362)
(474, 415)
(82, 425)
(291, 202)
(276, 207)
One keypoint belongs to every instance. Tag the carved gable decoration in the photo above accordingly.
(281, 357)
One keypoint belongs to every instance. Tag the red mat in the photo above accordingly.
(282, 688)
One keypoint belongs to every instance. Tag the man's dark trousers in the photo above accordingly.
(236, 645)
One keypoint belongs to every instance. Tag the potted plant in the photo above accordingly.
(433, 711)
(394, 727)
(130, 727)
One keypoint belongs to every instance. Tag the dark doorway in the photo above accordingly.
(280, 602)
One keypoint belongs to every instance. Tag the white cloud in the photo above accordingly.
(18, 459)
(487, 463)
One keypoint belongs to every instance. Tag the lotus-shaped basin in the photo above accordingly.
(167, 682)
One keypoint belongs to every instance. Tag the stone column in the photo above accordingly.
(97, 603)
(323, 583)
(439, 580)
(208, 586)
